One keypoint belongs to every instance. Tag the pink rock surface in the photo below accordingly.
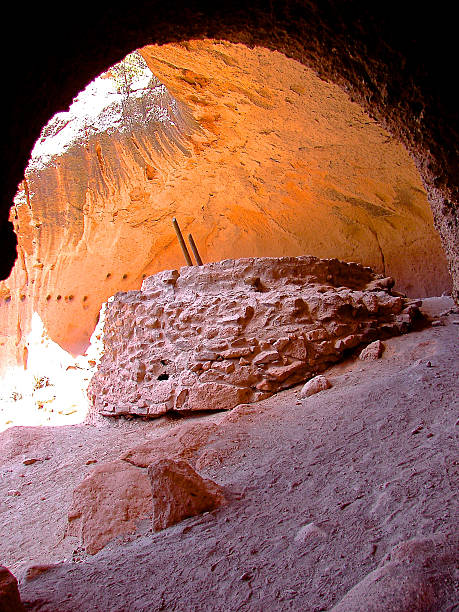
(419, 575)
(184, 442)
(109, 502)
(315, 385)
(309, 532)
(237, 331)
(345, 461)
(179, 492)
(33, 571)
(373, 351)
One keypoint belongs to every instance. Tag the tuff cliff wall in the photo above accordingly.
(236, 331)
(252, 152)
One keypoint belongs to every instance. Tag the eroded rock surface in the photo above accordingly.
(213, 337)
(185, 442)
(110, 501)
(351, 461)
(315, 385)
(419, 574)
(179, 492)
(373, 351)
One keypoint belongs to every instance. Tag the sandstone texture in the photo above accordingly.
(228, 333)
(251, 151)
(397, 68)
(417, 575)
(110, 501)
(373, 351)
(116, 495)
(315, 385)
(355, 486)
(185, 442)
(179, 492)
(10, 600)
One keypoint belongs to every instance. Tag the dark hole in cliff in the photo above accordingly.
(163, 376)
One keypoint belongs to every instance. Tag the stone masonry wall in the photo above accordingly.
(237, 331)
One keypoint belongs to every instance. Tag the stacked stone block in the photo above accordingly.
(237, 331)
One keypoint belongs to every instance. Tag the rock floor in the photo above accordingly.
(371, 462)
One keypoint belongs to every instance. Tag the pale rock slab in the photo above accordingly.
(185, 442)
(211, 338)
(34, 571)
(309, 532)
(179, 492)
(373, 351)
(315, 385)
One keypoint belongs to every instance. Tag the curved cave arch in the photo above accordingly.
(251, 150)
(378, 54)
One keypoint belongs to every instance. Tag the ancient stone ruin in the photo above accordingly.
(237, 331)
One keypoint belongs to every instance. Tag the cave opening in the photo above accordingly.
(251, 150)
(365, 463)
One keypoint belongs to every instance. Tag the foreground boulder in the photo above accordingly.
(315, 385)
(419, 575)
(237, 331)
(373, 351)
(109, 502)
(179, 492)
(10, 600)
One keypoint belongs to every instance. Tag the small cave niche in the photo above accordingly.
(163, 376)
(150, 172)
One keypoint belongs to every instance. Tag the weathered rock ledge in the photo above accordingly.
(237, 331)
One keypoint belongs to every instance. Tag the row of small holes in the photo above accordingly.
(70, 297)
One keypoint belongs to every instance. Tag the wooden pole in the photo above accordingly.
(181, 241)
(194, 248)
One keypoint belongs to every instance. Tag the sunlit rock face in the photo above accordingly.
(215, 336)
(253, 154)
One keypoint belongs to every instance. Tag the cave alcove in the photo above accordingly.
(251, 150)
(391, 59)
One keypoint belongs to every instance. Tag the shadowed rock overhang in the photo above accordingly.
(394, 62)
